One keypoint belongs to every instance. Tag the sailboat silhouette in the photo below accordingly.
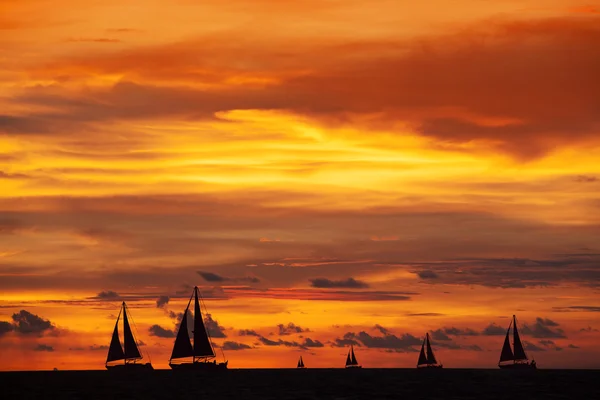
(517, 359)
(351, 359)
(427, 359)
(202, 353)
(129, 353)
(300, 363)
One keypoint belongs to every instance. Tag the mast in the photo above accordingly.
(430, 356)
(519, 352)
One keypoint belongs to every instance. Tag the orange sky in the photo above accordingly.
(365, 171)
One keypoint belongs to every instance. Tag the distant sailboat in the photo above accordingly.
(300, 363)
(201, 353)
(427, 359)
(517, 359)
(129, 353)
(351, 359)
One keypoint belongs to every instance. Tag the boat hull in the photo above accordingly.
(519, 366)
(200, 366)
(353, 366)
(130, 367)
(430, 366)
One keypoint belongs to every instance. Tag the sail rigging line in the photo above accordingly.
(137, 334)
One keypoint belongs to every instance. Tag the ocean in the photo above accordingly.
(282, 384)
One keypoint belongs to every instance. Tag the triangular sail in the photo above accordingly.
(353, 360)
(430, 357)
(182, 347)
(300, 363)
(115, 351)
(422, 356)
(507, 354)
(131, 348)
(519, 352)
(348, 359)
(202, 346)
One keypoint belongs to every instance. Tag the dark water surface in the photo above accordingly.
(283, 384)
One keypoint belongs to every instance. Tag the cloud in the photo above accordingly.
(162, 301)
(26, 323)
(543, 328)
(588, 329)
(229, 345)
(93, 40)
(247, 332)
(95, 347)
(212, 277)
(309, 343)
(43, 347)
(493, 330)
(586, 178)
(427, 274)
(268, 342)
(460, 332)
(532, 347)
(581, 308)
(108, 295)
(5, 327)
(403, 343)
(349, 283)
(572, 346)
(213, 327)
(440, 335)
(290, 328)
(159, 331)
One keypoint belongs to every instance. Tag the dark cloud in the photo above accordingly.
(108, 295)
(309, 343)
(290, 328)
(25, 323)
(213, 328)
(247, 332)
(532, 347)
(493, 330)
(95, 347)
(162, 301)
(349, 283)
(389, 341)
(268, 342)
(460, 332)
(543, 328)
(345, 341)
(382, 329)
(5, 327)
(211, 277)
(43, 347)
(440, 335)
(572, 346)
(580, 308)
(427, 274)
(159, 331)
(588, 329)
(228, 345)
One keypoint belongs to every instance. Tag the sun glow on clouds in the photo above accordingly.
(357, 170)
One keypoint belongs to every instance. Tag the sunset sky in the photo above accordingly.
(327, 172)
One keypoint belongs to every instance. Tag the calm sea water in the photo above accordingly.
(283, 384)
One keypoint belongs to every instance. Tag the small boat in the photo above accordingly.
(516, 359)
(129, 353)
(300, 363)
(427, 359)
(351, 359)
(200, 356)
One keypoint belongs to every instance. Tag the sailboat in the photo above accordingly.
(516, 359)
(427, 359)
(129, 353)
(200, 356)
(351, 359)
(300, 363)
